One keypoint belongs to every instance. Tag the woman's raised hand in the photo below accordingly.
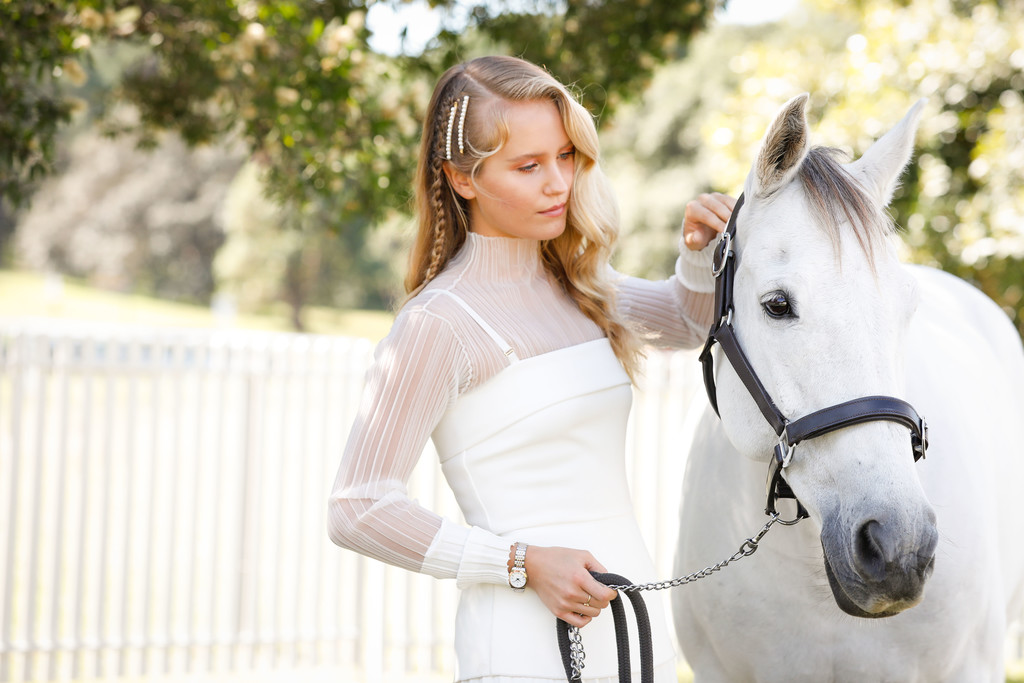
(706, 216)
(561, 577)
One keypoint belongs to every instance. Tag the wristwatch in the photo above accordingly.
(517, 575)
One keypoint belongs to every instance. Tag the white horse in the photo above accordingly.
(826, 313)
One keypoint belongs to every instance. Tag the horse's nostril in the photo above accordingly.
(872, 551)
(879, 556)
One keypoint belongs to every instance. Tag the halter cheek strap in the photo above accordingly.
(839, 416)
(722, 332)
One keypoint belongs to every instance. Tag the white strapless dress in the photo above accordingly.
(537, 454)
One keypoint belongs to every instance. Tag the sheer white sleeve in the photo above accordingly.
(675, 312)
(418, 371)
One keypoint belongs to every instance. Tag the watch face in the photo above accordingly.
(517, 578)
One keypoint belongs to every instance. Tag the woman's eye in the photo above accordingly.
(777, 305)
(527, 169)
(567, 155)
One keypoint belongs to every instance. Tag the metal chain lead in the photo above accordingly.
(576, 654)
(747, 548)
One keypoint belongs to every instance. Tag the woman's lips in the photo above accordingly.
(554, 211)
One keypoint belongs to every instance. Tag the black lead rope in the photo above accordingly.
(643, 626)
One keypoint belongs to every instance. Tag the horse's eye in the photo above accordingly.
(777, 305)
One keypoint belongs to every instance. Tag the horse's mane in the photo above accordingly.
(834, 197)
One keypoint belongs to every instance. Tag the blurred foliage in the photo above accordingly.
(962, 201)
(329, 120)
(655, 150)
(332, 121)
(608, 50)
(332, 125)
(261, 264)
(37, 45)
(865, 62)
(129, 220)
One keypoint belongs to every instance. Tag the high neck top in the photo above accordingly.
(499, 258)
(503, 280)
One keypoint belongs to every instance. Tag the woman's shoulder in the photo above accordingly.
(433, 316)
(440, 299)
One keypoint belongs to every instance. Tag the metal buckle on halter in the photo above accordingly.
(921, 445)
(783, 450)
(776, 488)
(722, 254)
(726, 320)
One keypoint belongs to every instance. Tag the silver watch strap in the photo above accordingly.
(520, 559)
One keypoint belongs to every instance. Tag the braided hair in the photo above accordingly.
(443, 214)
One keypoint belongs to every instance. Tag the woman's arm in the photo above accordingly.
(677, 312)
(417, 372)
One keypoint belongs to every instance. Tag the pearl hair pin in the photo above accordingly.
(451, 126)
(462, 120)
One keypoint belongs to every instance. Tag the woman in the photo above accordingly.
(514, 354)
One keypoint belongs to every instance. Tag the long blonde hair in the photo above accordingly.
(578, 257)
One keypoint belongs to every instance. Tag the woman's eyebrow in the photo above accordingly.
(528, 155)
(524, 157)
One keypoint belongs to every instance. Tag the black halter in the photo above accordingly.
(823, 421)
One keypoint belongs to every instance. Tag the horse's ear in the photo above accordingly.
(783, 149)
(880, 167)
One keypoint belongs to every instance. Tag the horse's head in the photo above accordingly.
(821, 308)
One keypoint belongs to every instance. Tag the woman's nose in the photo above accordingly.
(557, 183)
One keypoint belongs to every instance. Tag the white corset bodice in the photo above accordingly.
(537, 454)
(514, 447)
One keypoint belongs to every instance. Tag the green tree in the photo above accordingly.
(272, 256)
(656, 152)
(333, 121)
(133, 220)
(609, 50)
(37, 43)
(328, 119)
(333, 124)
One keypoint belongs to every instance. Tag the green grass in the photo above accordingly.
(32, 295)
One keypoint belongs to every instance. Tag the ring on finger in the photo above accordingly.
(587, 603)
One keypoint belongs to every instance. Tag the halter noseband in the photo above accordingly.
(857, 411)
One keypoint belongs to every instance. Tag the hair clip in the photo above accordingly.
(451, 124)
(462, 120)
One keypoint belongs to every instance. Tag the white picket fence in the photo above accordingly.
(163, 500)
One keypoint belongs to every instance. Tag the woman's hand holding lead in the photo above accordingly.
(561, 577)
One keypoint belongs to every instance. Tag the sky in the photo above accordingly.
(423, 23)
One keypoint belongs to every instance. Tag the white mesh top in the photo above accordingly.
(436, 351)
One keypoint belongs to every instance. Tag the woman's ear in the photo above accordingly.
(460, 181)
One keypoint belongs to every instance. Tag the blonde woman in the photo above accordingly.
(514, 352)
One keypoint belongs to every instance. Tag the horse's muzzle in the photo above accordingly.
(880, 568)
